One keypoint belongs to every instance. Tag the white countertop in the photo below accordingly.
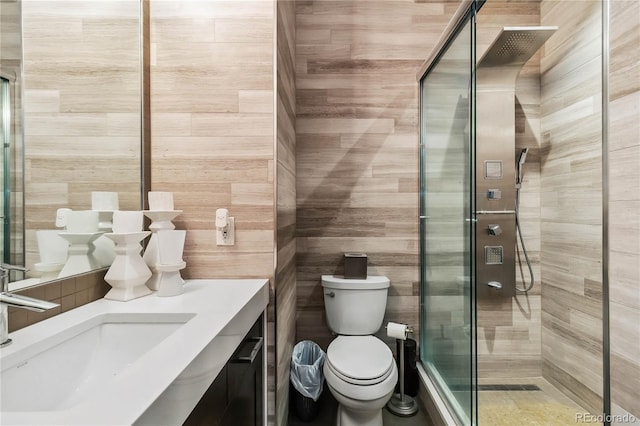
(224, 310)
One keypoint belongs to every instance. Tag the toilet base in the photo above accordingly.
(346, 417)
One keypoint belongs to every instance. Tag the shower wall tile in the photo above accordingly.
(624, 206)
(357, 146)
(571, 201)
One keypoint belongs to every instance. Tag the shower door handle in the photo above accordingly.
(495, 284)
(496, 212)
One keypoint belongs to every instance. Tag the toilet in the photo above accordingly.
(359, 368)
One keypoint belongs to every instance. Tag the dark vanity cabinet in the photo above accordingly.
(235, 398)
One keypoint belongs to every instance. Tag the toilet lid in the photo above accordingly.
(362, 358)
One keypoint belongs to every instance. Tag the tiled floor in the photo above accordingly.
(327, 415)
(544, 407)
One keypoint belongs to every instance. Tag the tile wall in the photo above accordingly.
(285, 274)
(571, 201)
(68, 293)
(624, 206)
(212, 106)
(357, 145)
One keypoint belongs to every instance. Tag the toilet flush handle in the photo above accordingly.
(330, 294)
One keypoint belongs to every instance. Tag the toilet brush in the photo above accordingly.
(401, 404)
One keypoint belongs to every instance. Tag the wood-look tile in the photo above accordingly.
(252, 194)
(624, 129)
(349, 112)
(213, 147)
(220, 171)
(625, 335)
(231, 124)
(625, 374)
(208, 101)
(176, 29)
(336, 125)
(624, 35)
(256, 101)
(624, 278)
(574, 389)
(625, 175)
(624, 254)
(218, 9)
(243, 30)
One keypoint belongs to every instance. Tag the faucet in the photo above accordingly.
(8, 299)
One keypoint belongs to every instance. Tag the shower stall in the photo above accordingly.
(511, 214)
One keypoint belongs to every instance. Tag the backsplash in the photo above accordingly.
(70, 293)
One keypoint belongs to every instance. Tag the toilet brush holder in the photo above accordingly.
(400, 404)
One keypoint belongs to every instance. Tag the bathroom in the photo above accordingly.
(303, 119)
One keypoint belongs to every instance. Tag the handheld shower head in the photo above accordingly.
(523, 156)
(520, 165)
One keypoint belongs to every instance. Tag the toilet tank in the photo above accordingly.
(355, 306)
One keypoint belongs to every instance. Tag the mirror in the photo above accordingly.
(72, 71)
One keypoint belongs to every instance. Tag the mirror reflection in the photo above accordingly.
(79, 155)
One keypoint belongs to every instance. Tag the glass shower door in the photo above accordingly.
(446, 229)
(5, 176)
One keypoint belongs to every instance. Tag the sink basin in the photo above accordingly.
(56, 373)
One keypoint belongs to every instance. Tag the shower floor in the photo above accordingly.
(544, 407)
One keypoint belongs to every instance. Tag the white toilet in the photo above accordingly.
(359, 367)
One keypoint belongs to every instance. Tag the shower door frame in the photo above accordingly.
(465, 15)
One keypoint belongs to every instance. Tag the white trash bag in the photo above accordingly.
(306, 369)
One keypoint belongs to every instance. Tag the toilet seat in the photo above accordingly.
(366, 356)
(360, 360)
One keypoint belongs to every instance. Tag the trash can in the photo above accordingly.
(307, 378)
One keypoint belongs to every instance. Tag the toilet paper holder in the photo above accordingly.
(401, 404)
(408, 329)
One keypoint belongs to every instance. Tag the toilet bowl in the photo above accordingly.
(359, 368)
(361, 375)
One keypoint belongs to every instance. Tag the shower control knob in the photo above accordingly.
(494, 229)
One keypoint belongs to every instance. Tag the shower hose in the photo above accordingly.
(524, 248)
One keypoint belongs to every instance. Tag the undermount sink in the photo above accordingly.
(56, 373)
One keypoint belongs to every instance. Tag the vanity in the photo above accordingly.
(148, 361)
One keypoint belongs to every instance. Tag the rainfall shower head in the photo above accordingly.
(515, 46)
(520, 165)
